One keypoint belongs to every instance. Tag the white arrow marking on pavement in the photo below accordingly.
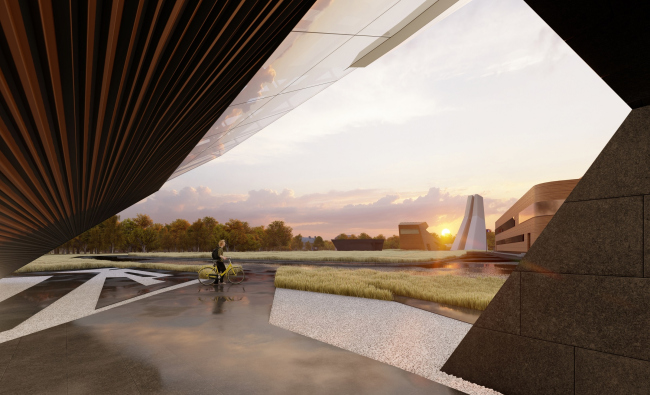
(81, 301)
(128, 273)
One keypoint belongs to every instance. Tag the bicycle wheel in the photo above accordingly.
(236, 275)
(207, 276)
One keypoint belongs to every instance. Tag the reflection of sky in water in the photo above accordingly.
(473, 269)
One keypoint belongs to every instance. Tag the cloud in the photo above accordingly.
(327, 214)
(427, 78)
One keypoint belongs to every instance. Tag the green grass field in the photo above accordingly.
(386, 256)
(471, 292)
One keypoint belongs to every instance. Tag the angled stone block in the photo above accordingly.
(608, 314)
(584, 288)
(513, 364)
(579, 239)
(502, 314)
(623, 167)
(598, 373)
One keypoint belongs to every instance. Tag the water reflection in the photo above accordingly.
(221, 339)
(219, 302)
(467, 269)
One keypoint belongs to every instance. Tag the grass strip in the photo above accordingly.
(385, 256)
(471, 292)
(49, 263)
(99, 265)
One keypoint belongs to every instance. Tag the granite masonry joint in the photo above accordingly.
(564, 344)
(605, 198)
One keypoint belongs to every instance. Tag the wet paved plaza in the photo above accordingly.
(190, 340)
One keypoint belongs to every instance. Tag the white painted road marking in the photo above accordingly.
(78, 303)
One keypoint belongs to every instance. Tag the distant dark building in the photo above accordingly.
(358, 244)
(414, 236)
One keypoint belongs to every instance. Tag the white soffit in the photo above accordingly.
(332, 39)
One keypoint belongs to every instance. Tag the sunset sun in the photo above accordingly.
(445, 232)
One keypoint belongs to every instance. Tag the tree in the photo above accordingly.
(178, 231)
(296, 242)
(166, 240)
(237, 231)
(145, 235)
(218, 233)
(392, 243)
(278, 235)
(447, 239)
(128, 237)
(112, 234)
(143, 221)
(206, 238)
(319, 244)
(342, 236)
(379, 237)
(194, 234)
(251, 244)
(352, 237)
(308, 246)
(147, 239)
(329, 246)
(95, 240)
(364, 236)
(83, 240)
(260, 235)
(490, 240)
(152, 237)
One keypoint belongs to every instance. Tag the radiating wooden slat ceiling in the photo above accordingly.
(100, 101)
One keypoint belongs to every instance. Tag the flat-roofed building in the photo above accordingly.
(519, 227)
(414, 236)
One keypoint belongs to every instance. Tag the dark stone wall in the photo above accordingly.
(574, 318)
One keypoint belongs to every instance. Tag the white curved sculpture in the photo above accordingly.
(471, 235)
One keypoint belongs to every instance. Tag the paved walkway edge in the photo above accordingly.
(408, 338)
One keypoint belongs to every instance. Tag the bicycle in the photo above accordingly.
(233, 273)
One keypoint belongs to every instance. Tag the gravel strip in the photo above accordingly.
(408, 338)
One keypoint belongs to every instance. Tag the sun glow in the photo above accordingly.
(445, 232)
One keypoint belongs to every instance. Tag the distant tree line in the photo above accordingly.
(393, 241)
(141, 234)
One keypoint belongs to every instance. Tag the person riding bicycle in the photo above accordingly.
(217, 255)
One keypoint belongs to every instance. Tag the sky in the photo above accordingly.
(488, 101)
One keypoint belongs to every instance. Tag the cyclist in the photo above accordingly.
(217, 255)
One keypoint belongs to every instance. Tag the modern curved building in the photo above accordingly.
(519, 227)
